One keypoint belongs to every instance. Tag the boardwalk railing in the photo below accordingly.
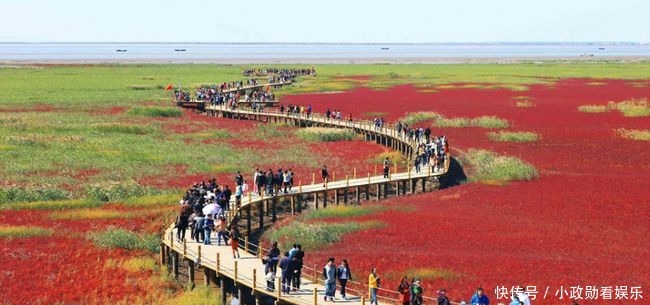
(218, 261)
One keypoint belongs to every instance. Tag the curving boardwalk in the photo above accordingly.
(247, 271)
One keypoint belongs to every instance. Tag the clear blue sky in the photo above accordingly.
(325, 21)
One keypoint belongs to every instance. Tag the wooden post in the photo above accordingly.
(354, 173)
(190, 273)
(315, 276)
(218, 262)
(368, 178)
(358, 194)
(274, 208)
(206, 276)
(199, 253)
(236, 271)
(248, 219)
(378, 191)
(175, 264)
(278, 286)
(375, 169)
(246, 243)
(261, 208)
(185, 247)
(347, 180)
(254, 279)
(316, 200)
(223, 290)
(333, 177)
(162, 253)
(363, 300)
(336, 197)
(315, 295)
(313, 178)
(250, 197)
(292, 201)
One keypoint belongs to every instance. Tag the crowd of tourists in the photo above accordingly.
(296, 109)
(286, 73)
(182, 96)
(432, 152)
(290, 265)
(202, 210)
(273, 183)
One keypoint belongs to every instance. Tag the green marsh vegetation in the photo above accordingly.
(629, 108)
(321, 134)
(454, 122)
(635, 134)
(125, 239)
(315, 235)
(513, 136)
(491, 168)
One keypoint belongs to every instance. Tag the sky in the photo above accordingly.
(355, 21)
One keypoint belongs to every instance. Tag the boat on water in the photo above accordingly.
(179, 50)
(601, 49)
(384, 48)
(120, 50)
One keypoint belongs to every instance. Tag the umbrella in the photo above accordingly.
(211, 209)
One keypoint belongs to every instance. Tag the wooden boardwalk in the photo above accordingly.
(202, 104)
(248, 271)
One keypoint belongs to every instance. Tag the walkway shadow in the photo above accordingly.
(455, 176)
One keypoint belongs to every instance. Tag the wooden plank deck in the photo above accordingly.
(248, 270)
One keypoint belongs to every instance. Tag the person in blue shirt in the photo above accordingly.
(479, 298)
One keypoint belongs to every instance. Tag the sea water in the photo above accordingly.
(229, 51)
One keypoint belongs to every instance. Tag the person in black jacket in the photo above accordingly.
(442, 297)
(325, 174)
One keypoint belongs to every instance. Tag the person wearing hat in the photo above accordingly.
(416, 292)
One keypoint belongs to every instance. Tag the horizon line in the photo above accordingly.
(343, 43)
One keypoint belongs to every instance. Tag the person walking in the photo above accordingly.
(208, 226)
(234, 240)
(274, 256)
(287, 272)
(386, 167)
(416, 292)
(404, 290)
(373, 285)
(182, 222)
(222, 231)
(325, 174)
(286, 181)
(442, 297)
(297, 272)
(344, 275)
(199, 233)
(329, 274)
(479, 298)
(418, 161)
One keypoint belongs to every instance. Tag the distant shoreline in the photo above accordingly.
(288, 60)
